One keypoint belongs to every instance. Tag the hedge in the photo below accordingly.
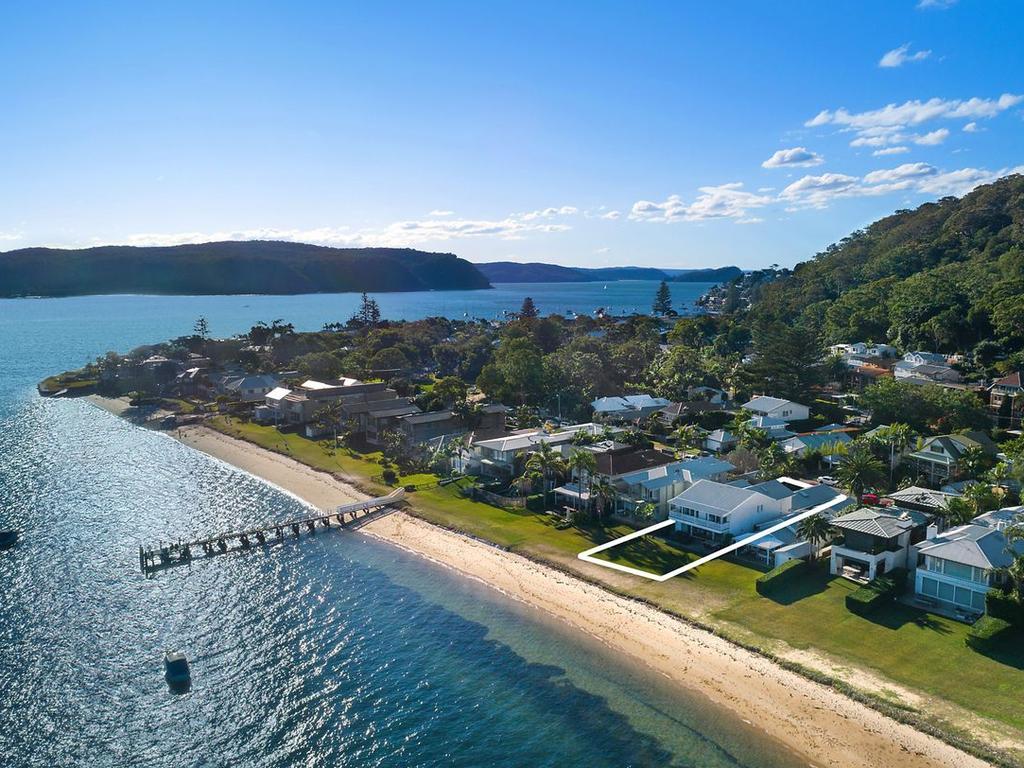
(1003, 606)
(780, 577)
(883, 589)
(535, 502)
(986, 632)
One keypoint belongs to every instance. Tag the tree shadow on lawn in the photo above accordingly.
(649, 554)
(813, 582)
(1007, 650)
(896, 615)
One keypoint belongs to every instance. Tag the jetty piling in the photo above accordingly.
(180, 552)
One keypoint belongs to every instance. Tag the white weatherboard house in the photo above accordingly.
(957, 567)
(497, 456)
(777, 408)
(716, 511)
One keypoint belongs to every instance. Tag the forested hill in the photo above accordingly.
(267, 267)
(947, 276)
(514, 272)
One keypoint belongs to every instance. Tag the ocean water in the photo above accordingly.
(333, 651)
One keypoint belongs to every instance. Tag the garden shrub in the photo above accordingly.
(877, 592)
(787, 573)
(986, 632)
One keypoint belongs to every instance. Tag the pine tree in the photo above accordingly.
(663, 300)
(368, 314)
(529, 310)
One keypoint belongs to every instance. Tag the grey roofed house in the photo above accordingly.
(886, 523)
(980, 546)
(404, 409)
(716, 495)
(921, 499)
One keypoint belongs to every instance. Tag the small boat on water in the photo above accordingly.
(176, 669)
(8, 539)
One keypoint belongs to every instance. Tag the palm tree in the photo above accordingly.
(972, 461)
(817, 529)
(685, 436)
(980, 497)
(583, 463)
(1015, 533)
(896, 437)
(548, 462)
(329, 416)
(958, 511)
(859, 469)
(604, 494)
(526, 481)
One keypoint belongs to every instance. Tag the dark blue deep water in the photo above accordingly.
(338, 651)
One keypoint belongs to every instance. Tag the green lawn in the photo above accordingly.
(912, 648)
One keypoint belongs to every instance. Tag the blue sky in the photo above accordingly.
(677, 134)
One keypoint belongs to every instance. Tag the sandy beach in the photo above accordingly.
(814, 720)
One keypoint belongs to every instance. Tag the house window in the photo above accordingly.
(929, 587)
(936, 448)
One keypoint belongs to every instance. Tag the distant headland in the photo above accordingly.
(233, 267)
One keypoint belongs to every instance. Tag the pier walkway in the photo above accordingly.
(170, 554)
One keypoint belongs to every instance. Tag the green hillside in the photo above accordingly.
(947, 276)
(267, 267)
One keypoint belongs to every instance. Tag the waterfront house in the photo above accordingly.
(641, 476)
(957, 567)
(503, 456)
(300, 405)
(251, 388)
(938, 458)
(421, 428)
(863, 349)
(719, 512)
(873, 540)
(919, 357)
(777, 408)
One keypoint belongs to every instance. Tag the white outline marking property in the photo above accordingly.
(588, 555)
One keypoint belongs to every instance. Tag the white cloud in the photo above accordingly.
(9, 236)
(612, 215)
(971, 127)
(890, 151)
(937, 4)
(904, 172)
(722, 201)
(883, 124)
(797, 157)
(817, 191)
(396, 234)
(932, 138)
(962, 181)
(750, 220)
(897, 57)
(441, 213)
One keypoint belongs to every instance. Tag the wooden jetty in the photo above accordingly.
(171, 554)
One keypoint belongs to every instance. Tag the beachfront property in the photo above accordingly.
(717, 512)
(249, 388)
(938, 458)
(777, 408)
(627, 407)
(642, 476)
(299, 406)
(502, 456)
(873, 541)
(956, 568)
(926, 368)
(421, 428)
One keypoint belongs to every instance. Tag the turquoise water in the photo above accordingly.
(336, 651)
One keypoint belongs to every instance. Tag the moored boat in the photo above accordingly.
(8, 539)
(176, 669)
